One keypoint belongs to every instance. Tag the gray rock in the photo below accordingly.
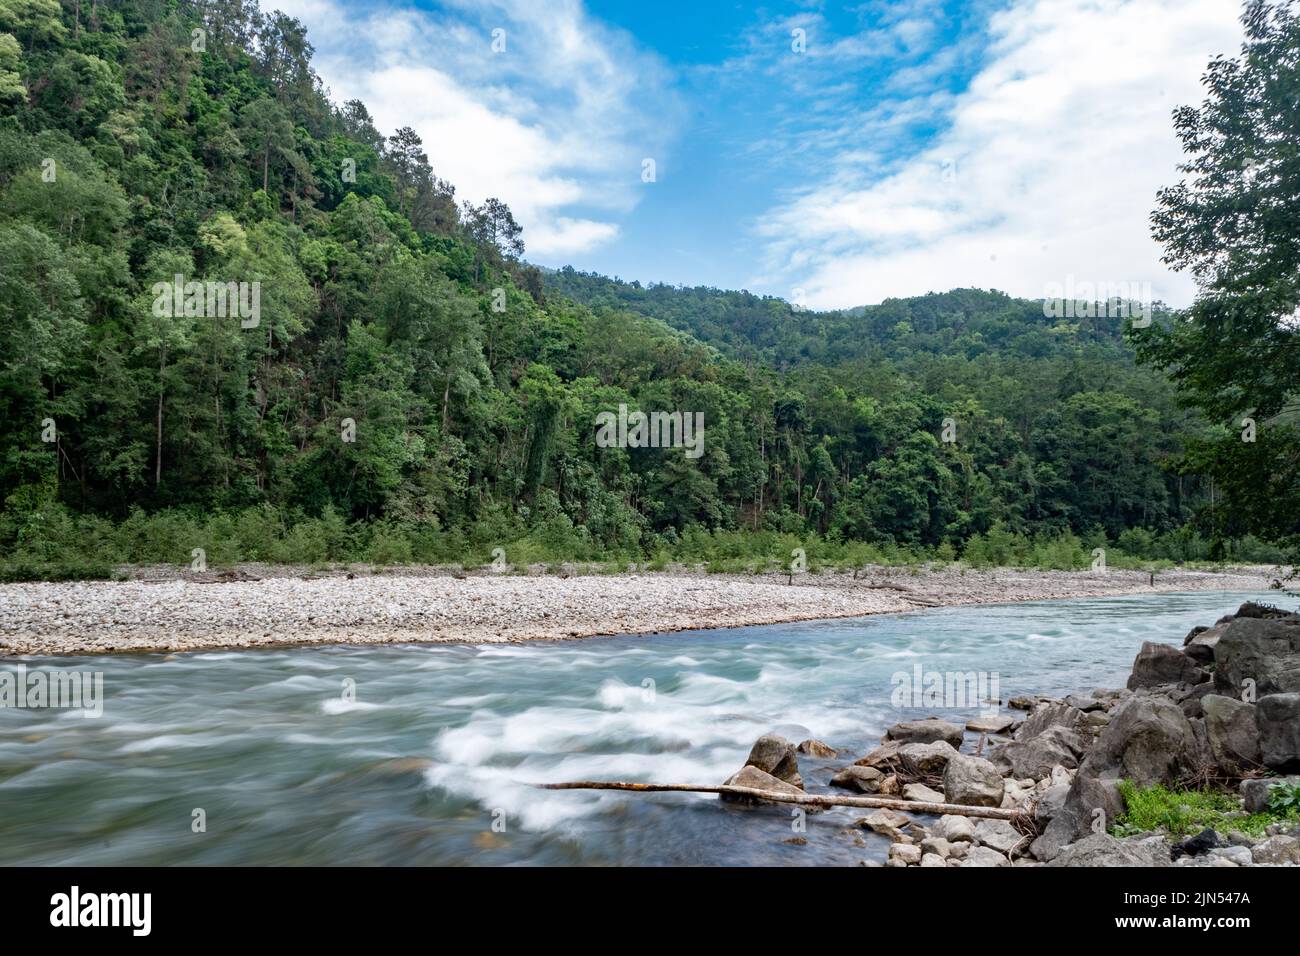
(1148, 741)
(983, 856)
(938, 846)
(1264, 650)
(1276, 850)
(776, 756)
(997, 834)
(1278, 716)
(1255, 791)
(884, 821)
(1085, 704)
(1101, 849)
(885, 757)
(815, 748)
(1035, 758)
(991, 724)
(932, 859)
(1265, 611)
(1163, 664)
(1189, 699)
(1050, 802)
(861, 779)
(905, 852)
(972, 782)
(1200, 646)
(750, 776)
(1090, 802)
(1054, 714)
(955, 829)
(1239, 855)
(1233, 734)
(925, 732)
(922, 793)
(921, 759)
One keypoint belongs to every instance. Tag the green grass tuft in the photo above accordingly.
(1187, 812)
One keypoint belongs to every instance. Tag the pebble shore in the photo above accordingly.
(169, 609)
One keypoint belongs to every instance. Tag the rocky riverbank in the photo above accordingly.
(170, 609)
(1221, 713)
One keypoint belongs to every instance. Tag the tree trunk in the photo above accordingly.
(804, 799)
(157, 467)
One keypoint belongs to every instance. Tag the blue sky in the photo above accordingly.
(832, 154)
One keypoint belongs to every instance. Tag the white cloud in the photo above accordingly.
(556, 125)
(1058, 147)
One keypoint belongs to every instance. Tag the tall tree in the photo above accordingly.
(1233, 222)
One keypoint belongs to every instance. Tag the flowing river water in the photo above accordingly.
(422, 754)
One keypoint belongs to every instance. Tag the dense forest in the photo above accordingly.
(356, 366)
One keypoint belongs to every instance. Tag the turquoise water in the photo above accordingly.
(440, 742)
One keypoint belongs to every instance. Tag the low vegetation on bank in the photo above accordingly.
(47, 541)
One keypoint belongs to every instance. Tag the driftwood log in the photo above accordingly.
(804, 799)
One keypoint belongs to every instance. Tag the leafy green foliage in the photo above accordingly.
(1232, 223)
(1284, 798)
(413, 391)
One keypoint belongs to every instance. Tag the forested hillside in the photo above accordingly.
(407, 387)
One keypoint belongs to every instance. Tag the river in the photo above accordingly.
(414, 755)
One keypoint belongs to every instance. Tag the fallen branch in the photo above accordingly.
(804, 799)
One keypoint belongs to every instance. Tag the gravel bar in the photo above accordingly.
(165, 610)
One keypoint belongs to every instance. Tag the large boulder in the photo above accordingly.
(1267, 611)
(775, 755)
(926, 759)
(755, 779)
(1090, 804)
(1158, 664)
(1101, 849)
(1278, 716)
(1035, 758)
(1053, 714)
(1148, 741)
(926, 732)
(1234, 736)
(1263, 650)
(972, 782)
